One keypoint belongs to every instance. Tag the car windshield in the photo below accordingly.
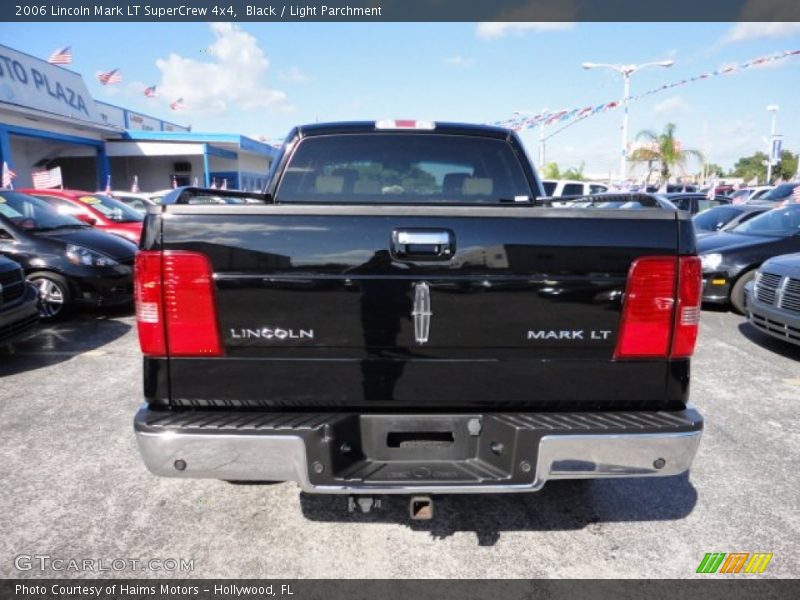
(714, 218)
(403, 168)
(779, 222)
(779, 192)
(111, 209)
(33, 214)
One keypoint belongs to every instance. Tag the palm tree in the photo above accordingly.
(663, 149)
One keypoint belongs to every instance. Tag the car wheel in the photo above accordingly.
(737, 293)
(54, 296)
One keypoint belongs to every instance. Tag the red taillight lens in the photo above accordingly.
(653, 325)
(175, 308)
(646, 324)
(687, 319)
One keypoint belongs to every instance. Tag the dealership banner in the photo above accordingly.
(403, 10)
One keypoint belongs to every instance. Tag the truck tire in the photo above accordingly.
(737, 293)
(54, 295)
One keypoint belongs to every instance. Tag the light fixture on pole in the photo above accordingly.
(542, 139)
(772, 108)
(626, 71)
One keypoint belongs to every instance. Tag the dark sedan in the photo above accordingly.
(730, 258)
(19, 303)
(70, 262)
(695, 203)
(724, 218)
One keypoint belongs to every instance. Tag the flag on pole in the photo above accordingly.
(712, 191)
(47, 178)
(177, 105)
(150, 91)
(213, 185)
(135, 186)
(61, 56)
(109, 77)
(8, 177)
(174, 182)
(224, 185)
(796, 194)
(196, 183)
(108, 184)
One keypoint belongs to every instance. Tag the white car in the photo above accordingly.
(749, 193)
(566, 187)
(137, 201)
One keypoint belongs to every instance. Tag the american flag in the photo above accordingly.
(135, 186)
(150, 92)
(177, 105)
(174, 182)
(795, 193)
(224, 185)
(213, 185)
(109, 77)
(8, 177)
(108, 184)
(45, 178)
(62, 56)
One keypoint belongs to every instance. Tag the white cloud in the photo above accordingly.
(672, 106)
(293, 75)
(234, 78)
(458, 61)
(742, 32)
(497, 29)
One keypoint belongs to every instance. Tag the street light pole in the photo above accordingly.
(773, 108)
(626, 71)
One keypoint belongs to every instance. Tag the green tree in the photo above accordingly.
(751, 167)
(714, 170)
(575, 173)
(664, 150)
(786, 168)
(551, 171)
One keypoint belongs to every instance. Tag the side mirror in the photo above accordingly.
(86, 219)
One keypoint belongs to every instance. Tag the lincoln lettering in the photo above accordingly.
(267, 333)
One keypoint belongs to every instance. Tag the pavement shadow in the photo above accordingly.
(785, 349)
(560, 506)
(54, 343)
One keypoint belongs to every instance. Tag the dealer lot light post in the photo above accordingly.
(626, 71)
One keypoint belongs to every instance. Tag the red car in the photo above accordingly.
(103, 212)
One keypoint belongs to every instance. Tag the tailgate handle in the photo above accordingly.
(423, 243)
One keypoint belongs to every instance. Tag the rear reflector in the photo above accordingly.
(688, 321)
(175, 307)
(653, 324)
(404, 124)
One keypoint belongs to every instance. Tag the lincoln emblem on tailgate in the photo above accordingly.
(422, 312)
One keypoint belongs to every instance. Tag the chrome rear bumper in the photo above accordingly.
(284, 456)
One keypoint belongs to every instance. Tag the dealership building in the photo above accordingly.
(48, 119)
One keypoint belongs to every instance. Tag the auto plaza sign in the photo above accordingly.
(34, 83)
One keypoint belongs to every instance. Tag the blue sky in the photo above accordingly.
(262, 78)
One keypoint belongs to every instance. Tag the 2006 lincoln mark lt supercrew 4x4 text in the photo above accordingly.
(401, 312)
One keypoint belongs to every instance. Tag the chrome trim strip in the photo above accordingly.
(283, 458)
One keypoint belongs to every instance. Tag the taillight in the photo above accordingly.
(653, 324)
(175, 307)
(687, 319)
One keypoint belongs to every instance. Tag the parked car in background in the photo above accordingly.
(772, 299)
(730, 258)
(97, 210)
(749, 193)
(724, 218)
(623, 200)
(695, 203)
(137, 201)
(69, 262)
(565, 187)
(781, 193)
(19, 303)
(157, 196)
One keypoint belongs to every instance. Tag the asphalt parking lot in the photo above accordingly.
(74, 486)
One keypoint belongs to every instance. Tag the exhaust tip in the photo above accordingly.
(420, 508)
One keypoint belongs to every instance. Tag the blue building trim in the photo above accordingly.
(206, 174)
(245, 143)
(221, 152)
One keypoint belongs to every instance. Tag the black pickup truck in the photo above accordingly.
(401, 312)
